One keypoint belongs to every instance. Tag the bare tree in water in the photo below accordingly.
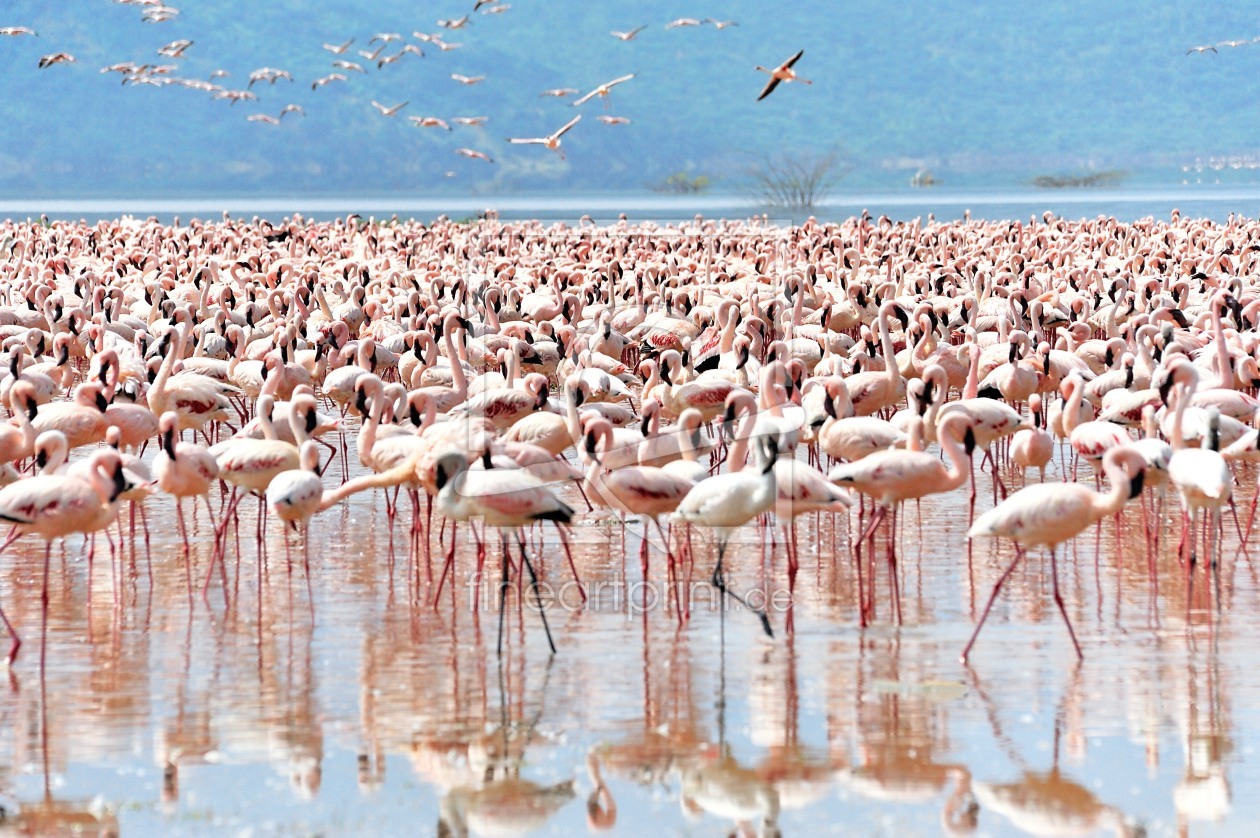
(796, 180)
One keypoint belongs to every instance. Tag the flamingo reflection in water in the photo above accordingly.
(1048, 803)
(496, 799)
(902, 734)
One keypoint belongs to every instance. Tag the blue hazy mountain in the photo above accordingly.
(985, 93)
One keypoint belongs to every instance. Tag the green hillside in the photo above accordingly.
(982, 94)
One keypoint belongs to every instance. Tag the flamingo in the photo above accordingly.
(1032, 447)
(82, 419)
(1200, 475)
(1049, 514)
(782, 73)
(728, 501)
(892, 477)
(551, 141)
(295, 496)
(646, 491)
(182, 469)
(502, 498)
(603, 90)
(56, 505)
(17, 438)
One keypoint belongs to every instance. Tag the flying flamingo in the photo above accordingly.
(782, 73)
(628, 36)
(1049, 514)
(603, 90)
(389, 110)
(551, 141)
(473, 154)
(339, 49)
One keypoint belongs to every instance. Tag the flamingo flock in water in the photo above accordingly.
(701, 377)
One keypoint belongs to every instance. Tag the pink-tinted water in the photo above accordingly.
(367, 710)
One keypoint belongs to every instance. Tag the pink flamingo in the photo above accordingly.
(502, 498)
(17, 437)
(295, 496)
(1201, 475)
(182, 469)
(870, 392)
(1049, 514)
(82, 420)
(892, 477)
(53, 506)
(1033, 447)
(633, 490)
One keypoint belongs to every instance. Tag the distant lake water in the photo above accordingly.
(1216, 202)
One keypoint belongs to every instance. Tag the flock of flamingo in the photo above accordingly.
(344, 64)
(701, 377)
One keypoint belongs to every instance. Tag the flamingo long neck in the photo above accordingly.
(274, 371)
(513, 368)
(100, 482)
(322, 301)
(1224, 369)
(310, 458)
(158, 395)
(737, 457)
(453, 354)
(367, 433)
(1109, 503)
(1148, 422)
(940, 390)
(914, 434)
(892, 372)
(686, 445)
(18, 408)
(959, 463)
(973, 374)
(728, 327)
(56, 452)
(297, 423)
(574, 421)
(1184, 393)
(1072, 411)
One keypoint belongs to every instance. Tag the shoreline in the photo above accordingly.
(1126, 204)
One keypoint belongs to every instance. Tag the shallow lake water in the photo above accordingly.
(363, 708)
